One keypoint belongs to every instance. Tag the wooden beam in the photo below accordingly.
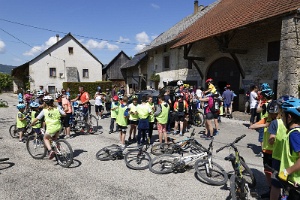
(234, 51)
(198, 69)
(236, 60)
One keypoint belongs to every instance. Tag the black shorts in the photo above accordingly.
(67, 120)
(133, 122)
(21, 130)
(209, 116)
(122, 128)
(267, 159)
(276, 165)
(98, 108)
(179, 118)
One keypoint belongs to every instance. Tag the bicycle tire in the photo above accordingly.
(92, 124)
(237, 192)
(186, 145)
(64, 153)
(198, 119)
(248, 174)
(219, 177)
(13, 131)
(159, 149)
(35, 147)
(164, 163)
(137, 159)
(104, 154)
(4, 159)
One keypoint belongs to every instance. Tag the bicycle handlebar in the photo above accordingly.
(235, 141)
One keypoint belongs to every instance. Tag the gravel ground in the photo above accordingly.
(88, 178)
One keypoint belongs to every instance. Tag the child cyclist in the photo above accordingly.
(122, 120)
(290, 162)
(34, 113)
(21, 120)
(53, 124)
(114, 113)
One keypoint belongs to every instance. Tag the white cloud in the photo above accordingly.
(2, 47)
(39, 49)
(93, 44)
(139, 47)
(155, 6)
(153, 37)
(142, 38)
(121, 39)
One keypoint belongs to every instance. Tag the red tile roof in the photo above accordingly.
(232, 14)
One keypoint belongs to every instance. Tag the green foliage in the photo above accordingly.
(6, 82)
(155, 77)
(89, 87)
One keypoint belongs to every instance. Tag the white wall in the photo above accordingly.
(61, 59)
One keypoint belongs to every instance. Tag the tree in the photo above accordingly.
(6, 82)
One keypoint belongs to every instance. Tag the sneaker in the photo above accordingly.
(109, 132)
(168, 132)
(209, 137)
(260, 155)
(203, 136)
(67, 136)
(21, 141)
(180, 134)
(51, 155)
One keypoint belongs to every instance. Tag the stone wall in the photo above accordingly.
(289, 64)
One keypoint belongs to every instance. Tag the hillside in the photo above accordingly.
(6, 68)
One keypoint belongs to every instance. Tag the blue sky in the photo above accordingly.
(122, 24)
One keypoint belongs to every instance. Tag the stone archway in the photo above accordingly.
(225, 71)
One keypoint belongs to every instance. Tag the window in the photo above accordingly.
(166, 63)
(273, 51)
(71, 50)
(85, 73)
(51, 89)
(52, 72)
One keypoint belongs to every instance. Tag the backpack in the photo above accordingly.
(214, 106)
(181, 106)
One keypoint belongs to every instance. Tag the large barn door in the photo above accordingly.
(225, 71)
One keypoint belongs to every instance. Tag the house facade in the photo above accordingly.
(65, 61)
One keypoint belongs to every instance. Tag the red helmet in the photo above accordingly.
(115, 98)
(209, 80)
(228, 86)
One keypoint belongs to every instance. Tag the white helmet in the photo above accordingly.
(180, 82)
(48, 99)
(57, 95)
(40, 93)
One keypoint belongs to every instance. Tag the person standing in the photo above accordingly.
(108, 101)
(122, 120)
(114, 91)
(168, 100)
(133, 118)
(181, 109)
(143, 111)
(253, 104)
(228, 99)
(114, 113)
(67, 108)
(161, 115)
(151, 116)
(247, 101)
(98, 105)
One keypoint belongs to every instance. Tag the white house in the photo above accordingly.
(65, 61)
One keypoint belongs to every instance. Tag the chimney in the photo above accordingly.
(195, 6)
(57, 37)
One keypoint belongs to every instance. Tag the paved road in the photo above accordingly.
(89, 178)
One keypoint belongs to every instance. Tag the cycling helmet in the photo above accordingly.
(209, 80)
(283, 99)
(57, 95)
(267, 94)
(272, 107)
(134, 97)
(75, 104)
(292, 106)
(21, 106)
(228, 86)
(265, 87)
(40, 93)
(34, 104)
(48, 99)
(180, 83)
(28, 91)
(98, 88)
(120, 96)
(115, 98)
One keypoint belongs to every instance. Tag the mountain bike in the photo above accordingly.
(243, 177)
(197, 117)
(81, 121)
(37, 149)
(287, 185)
(170, 148)
(112, 152)
(203, 164)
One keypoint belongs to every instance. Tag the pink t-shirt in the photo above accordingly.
(65, 101)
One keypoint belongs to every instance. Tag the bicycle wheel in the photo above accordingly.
(198, 119)
(237, 189)
(4, 159)
(35, 146)
(64, 153)
(137, 159)
(162, 164)
(214, 175)
(105, 153)
(13, 131)
(248, 174)
(92, 124)
(159, 149)
(185, 145)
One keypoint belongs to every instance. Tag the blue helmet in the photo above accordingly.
(75, 104)
(265, 87)
(292, 106)
(21, 106)
(283, 99)
(34, 105)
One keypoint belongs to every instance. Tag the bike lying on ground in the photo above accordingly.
(176, 147)
(4, 159)
(37, 149)
(112, 152)
(204, 166)
(243, 177)
(138, 159)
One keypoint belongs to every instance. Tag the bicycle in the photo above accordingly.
(37, 149)
(3, 103)
(197, 117)
(170, 148)
(287, 185)
(112, 152)
(13, 130)
(4, 159)
(243, 177)
(79, 122)
(213, 173)
(138, 159)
